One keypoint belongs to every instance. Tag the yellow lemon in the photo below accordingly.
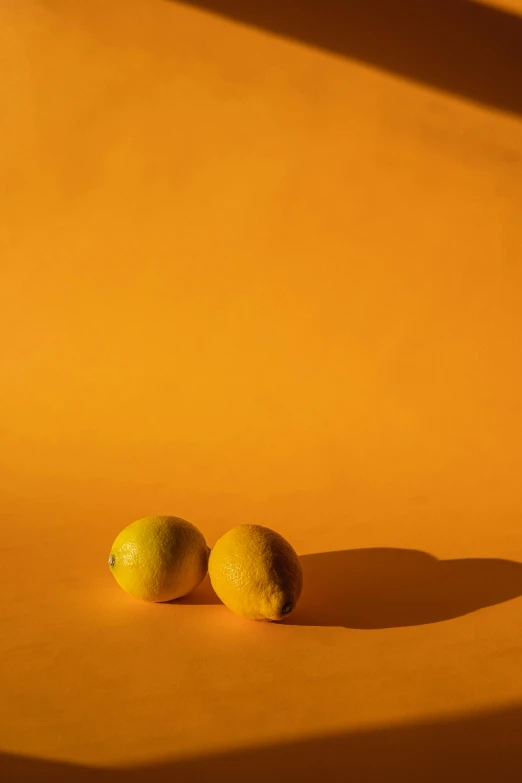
(159, 558)
(256, 573)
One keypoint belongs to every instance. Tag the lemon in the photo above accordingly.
(159, 558)
(256, 573)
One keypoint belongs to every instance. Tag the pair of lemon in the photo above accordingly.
(253, 569)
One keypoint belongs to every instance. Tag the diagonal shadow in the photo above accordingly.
(481, 748)
(390, 588)
(466, 48)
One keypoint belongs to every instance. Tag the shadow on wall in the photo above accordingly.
(480, 748)
(458, 46)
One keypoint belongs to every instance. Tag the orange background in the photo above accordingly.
(249, 276)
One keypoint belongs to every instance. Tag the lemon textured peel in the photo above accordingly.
(256, 573)
(159, 558)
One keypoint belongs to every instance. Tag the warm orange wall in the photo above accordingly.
(246, 280)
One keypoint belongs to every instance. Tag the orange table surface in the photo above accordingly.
(247, 278)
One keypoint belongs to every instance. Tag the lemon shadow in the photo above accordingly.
(392, 588)
(203, 595)
(389, 588)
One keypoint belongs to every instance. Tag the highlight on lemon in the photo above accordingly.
(159, 558)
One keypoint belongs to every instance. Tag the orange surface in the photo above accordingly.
(245, 278)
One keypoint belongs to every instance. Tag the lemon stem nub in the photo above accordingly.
(112, 560)
(287, 608)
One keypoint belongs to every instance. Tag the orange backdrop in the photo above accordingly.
(245, 278)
